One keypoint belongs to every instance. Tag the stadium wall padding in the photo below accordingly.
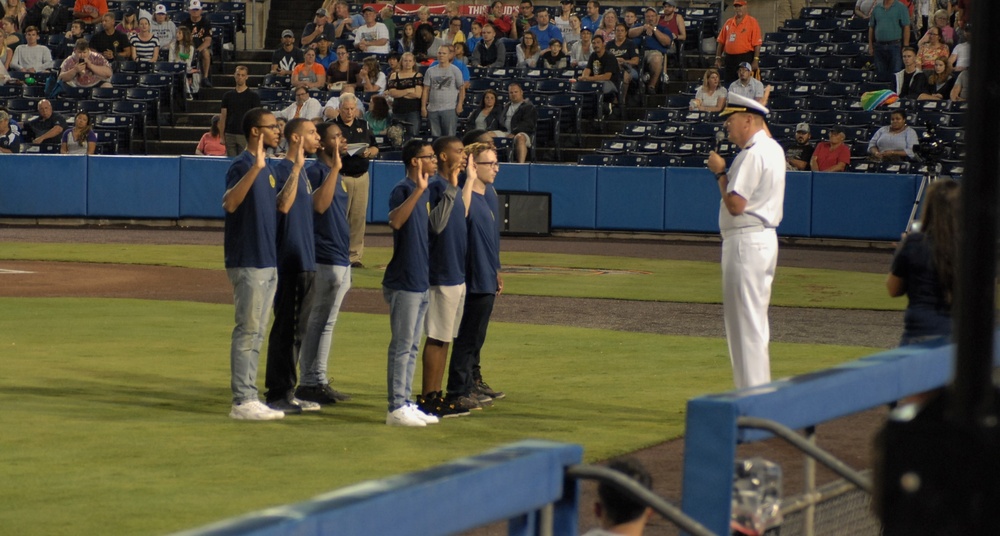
(867, 206)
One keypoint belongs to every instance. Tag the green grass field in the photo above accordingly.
(114, 416)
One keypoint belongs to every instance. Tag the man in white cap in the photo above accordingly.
(753, 193)
(164, 29)
(201, 32)
(373, 37)
(748, 86)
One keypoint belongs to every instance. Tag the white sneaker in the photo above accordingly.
(403, 417)
(254, 410)
(429, 419)
(305, 404)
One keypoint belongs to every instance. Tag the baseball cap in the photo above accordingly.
(802, 127)
(368, 8)
(650, 8)
(836, 130)
(740, 2)
(320, 12)
(740, 104)
(160, 9)
(745, 65)
(195, 5)
(287, 33)
(129, 10)
(565, 1)
(672, 3)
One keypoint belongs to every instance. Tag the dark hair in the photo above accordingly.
(323, 127)
(251, 118)
(453, 19)
(596, 3)
(379, 107)
(901, 113)
(82, 137)
(910, 49)
(622, 24)
(471, 136)
(215, 125)
(620, 508)
(596, 37)
(30, 29)
(443, 142)
(411, 150)
(482, 100)
(941, 224)
(81, 45)
(293, 126)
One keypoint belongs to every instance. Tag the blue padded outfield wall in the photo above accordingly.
(824, 205)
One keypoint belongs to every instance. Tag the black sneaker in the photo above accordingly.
(357, 264)
(484, 388)
(335, 394)
(206, 81)
(433, 404)
(285, 405)
(315, 393)
(483, 399)
(464, 402)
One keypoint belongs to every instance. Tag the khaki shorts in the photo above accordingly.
(444, 311)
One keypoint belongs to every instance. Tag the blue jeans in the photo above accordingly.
(413, 118)
(888, 58)
(253, 294)
(406, 320)
(443, 123)
(329, 289)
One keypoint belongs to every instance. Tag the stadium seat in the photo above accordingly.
(637, 130)
(547, 132)
(94, 107)
(664, 161)
(815, 12)
(828, 118)
(594, 159)
(616, 146)
(821, 103)
(63, 106)
(630, 160)
(782, 103)
(653, 147)
(659, 115)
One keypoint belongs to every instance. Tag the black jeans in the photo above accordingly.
(292, 302)
(463, 370)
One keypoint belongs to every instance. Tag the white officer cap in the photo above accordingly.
(738, 103)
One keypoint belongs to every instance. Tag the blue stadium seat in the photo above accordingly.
(653, 147)
(793, 25)
(594, 159)
(630, 160)
(781, 103)
(828, 118)
(791, 116)
(779, 37)
(637, 130)
(823, 25)
(814, 13)
(820, 75)
(664, 161)
(659, 115)
(616, 146)
(819, 103)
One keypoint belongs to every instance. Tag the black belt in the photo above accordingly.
(896, 42)
(353, 176)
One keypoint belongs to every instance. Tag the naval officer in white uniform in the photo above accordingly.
(753, 193)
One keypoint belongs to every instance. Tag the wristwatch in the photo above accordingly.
(721, 174)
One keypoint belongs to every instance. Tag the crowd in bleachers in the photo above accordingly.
(112, 66)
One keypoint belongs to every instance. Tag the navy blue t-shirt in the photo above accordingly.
(484, 244)
(296, 249)
(448, 249)
(250, 232)
(333, 234)
(928, 313)
(408, 268)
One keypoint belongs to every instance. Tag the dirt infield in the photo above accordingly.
(847, 438)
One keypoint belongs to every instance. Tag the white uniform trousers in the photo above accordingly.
(749, 257)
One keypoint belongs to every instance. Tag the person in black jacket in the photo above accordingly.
(490, 52)
(519, 120)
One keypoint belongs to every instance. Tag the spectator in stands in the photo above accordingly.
(740, 39)
(201, 34)
(49, 16)
(593, 19)
(895, 142)
(377, 115)
(286, 57)
(112, 44)
(474, 37)
(461, 56)
(32, 57)
(184, 52)
(525, 18)
(490, 52)
(406, 89)
(325, 55)
(799, 153)
(385, 16)
(343, 71)
(544, 31)
(960, 91)
(603, 67)
(10, 140)
(454, 34)
(631, 19)
(391, 63)
(424, 18)
(373, 37)
(407, 40)
(444, 93)
(4, 75)
(607, 28)
(13, 38)
(617, 512)
(748, 86)
(911, 80)
(962, 13)
(931, 48)
(211, 143)
(319, 27)
(961, 57)
(355, 173)
(939, 83)
(343, 22)
(145, 46)
(371, 78)
(75, 32)
(487, 118)
(554, 57)
(426, 44)
(675, 22)
(941, 23)
(561, 20)
(888, 32)
(710, 95)
(528, 51)
(572, 34)
(15, 9)
(925, 265)
(47, 127)
(304, 106)
(519, 120)
(833, 155)
(81, 139)
(655, 40)
(863, 8)
(625, 51)
(309, 74)
(163, 28)
(90, 11)
(501, 23)
(85, 67)
(581, 50)
(281, 148)
(235, 104)
(130, 21)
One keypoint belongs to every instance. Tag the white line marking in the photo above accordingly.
(5, 271)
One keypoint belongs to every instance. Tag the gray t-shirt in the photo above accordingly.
(166, 34)
(444, 83)
(753, 90)
(963, 81)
